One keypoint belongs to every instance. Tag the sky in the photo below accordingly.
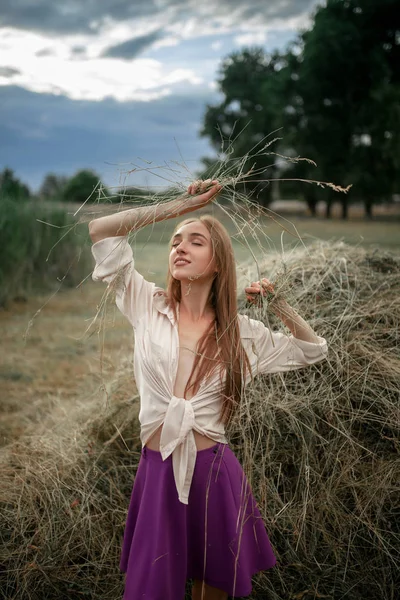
(121, 87)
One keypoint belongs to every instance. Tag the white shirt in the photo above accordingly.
(156, 361)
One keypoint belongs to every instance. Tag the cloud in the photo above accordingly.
(45, 52)
(8, 72)
(78, 50)
(251, 39)
(217, 45)
(99, 84)
(131, 48)
(74, 16)
(87, 78)
(62, 136)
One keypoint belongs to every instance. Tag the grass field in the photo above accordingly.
(57, 374)
(56, 363)
(151, 243)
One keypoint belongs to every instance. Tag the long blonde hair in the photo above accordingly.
(220, 348)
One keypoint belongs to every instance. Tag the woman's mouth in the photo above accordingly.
(181, 263)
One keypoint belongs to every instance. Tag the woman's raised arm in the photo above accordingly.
(121, 223)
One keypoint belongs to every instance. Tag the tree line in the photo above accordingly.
(54, 187)
(83, 185)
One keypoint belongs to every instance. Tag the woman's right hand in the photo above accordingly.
(204, 192)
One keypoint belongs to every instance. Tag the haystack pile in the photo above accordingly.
(320, 447)
(322, 444)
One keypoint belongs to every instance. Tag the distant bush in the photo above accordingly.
(132, 194)
(12, 187)
(83, 185)
(53, 186)
(35, 256)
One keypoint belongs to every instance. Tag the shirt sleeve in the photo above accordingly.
(115, 265)
(274, 351)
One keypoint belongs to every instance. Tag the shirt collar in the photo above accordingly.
(162, 306)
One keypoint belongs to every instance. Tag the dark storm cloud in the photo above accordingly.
(74, 16)
(8, 71)
(133, 47)
(62, 135)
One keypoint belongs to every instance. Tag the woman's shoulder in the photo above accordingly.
(249, 328)
(161, 301)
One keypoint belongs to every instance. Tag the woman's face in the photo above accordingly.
(192, 244)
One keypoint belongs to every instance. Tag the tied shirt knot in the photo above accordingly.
(177, 438)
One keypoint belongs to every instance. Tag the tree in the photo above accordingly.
(241, 78)
(335, 93)
(348, 79)
(53, 186)
(12, 187)
(83, 185)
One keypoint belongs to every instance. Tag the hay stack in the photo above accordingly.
(64, 499)
(321, 444)
(320, 447)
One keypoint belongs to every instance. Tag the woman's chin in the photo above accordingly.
(184, 275)
(181, 273)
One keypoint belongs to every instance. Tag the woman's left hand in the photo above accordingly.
(264, 287)
(204, 192)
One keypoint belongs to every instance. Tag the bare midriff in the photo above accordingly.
(202, 441)
(189, 335)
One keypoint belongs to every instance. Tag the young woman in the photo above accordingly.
(192, 514)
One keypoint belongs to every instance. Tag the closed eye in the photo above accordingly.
(195, 243)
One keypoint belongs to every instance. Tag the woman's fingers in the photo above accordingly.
(205, 184)
(192, 187)
(199, 186)
(259, 287)
(255, 291)
(267, 285)
(195, 187)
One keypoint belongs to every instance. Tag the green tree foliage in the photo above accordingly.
(335, 93)
(348, 79)
(242, 122)
(53, 186)
(11, 187)
(83, 185)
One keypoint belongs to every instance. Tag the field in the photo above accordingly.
(49, 362)
(321, 459)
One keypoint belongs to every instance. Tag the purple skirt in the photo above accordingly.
(219, 537)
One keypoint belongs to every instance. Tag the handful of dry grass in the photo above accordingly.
(320, 447)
